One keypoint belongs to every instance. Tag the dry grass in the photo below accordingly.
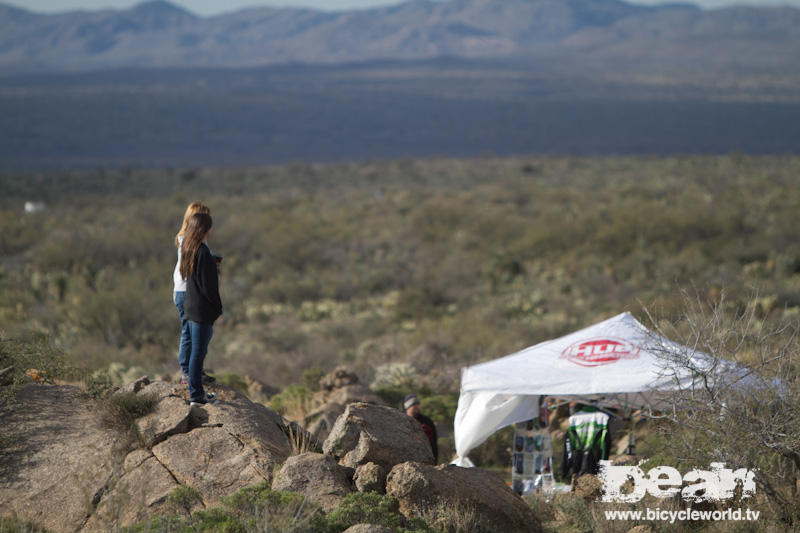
(301, 440)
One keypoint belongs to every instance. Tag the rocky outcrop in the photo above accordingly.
(338, 378)
(367, 433)
(321, 420)
(317, 476)
(337, 389)
(67, 472)
(61, 460)
(170, 417)
(421, 489)
(141, 491)
(214, 462)
(254, 425)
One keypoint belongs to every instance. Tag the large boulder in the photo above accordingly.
(60, 460)
(253, 424)
(422, 490)
(170, 417)
(317, 476)
(337, 389)
(320, 421)
(372, 433)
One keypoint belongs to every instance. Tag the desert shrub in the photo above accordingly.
(97, 384)
(301, 440)
(573, 510)
(28, 360)
(16, 525)
(747, 415)
(217, 520)
(119, 411)
(393, 395)
(396, 375)
(311, 378)
(184, 498)
(440, 407)
(541, 507)
(422, 300)
(33, 352)
(229, 379)
(294, 402)
(252, 509)
(248, 500)
(455, 517)
(366, 508)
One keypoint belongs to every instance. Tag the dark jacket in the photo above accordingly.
(202, 302)
(430, 431)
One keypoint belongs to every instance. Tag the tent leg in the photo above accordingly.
(632, 437)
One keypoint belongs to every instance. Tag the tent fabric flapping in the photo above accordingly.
(617, 357)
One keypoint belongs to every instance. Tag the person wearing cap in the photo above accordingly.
(411, 406)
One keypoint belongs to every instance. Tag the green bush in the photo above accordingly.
(292, 400)
(218, 521)
(311, 378)
(15, 525)
(97, 384)
(366, 508)
(575, 510)
(184, 498)
(393, 395)
(249, 510)
(229, 379)
(249, 500)
(28, 360)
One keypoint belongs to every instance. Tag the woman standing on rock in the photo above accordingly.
(179, 294)
(202, 305)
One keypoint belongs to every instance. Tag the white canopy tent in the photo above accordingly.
(616, 357)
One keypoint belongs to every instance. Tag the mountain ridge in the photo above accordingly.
(161, 35)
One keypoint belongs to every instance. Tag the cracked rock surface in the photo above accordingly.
(367, 433)
(66, 472)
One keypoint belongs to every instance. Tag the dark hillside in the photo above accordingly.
(158, 34)
(206, 117)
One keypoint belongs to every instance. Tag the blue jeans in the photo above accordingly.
(201, 336)
(185, 346)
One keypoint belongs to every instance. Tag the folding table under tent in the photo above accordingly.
(617, 358)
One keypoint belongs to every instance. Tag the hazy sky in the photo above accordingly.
(213, 7)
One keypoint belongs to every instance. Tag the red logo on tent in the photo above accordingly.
(600, 351)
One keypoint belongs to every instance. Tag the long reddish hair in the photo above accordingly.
(196, 230)
(194, 207)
